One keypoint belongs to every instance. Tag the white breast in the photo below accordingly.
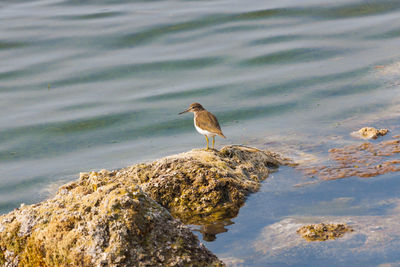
(204, 132)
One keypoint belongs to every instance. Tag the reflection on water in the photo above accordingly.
(210, 231)
(97, 84)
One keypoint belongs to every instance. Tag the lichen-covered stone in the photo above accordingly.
(369, 133)
(93, 222)
(112, 218)
(323, 232)
(203, 186)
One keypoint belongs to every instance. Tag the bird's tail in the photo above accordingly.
(222, 135)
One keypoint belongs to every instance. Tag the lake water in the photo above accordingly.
(87, 85)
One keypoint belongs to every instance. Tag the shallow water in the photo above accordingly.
(98, 84)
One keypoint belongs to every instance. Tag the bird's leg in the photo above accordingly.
(207, 141)
(213, 141)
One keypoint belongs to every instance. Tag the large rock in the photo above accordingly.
(202, 186)
(91, 225)
(108, 218)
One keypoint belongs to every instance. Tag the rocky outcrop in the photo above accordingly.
(123, 218)
(111, 225)
(202, 186)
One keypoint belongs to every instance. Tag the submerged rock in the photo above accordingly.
(88, 224)
(369, 133)
(323, 232)
(362, 160)
(202, 186)
(376, 238)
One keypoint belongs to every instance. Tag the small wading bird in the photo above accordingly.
(205, 122)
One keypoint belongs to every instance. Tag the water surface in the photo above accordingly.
(86, 85)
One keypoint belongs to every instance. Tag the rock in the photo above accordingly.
(112, 218)
(202, 186)
(323, 232)
(369, 133)
(376, 238)
(115, 225)
(362, 160)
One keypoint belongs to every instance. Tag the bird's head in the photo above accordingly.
(193, 108)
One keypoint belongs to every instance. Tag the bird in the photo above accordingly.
(205, 122)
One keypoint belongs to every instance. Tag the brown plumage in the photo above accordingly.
(205, 122)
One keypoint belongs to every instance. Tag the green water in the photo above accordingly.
(86, 85)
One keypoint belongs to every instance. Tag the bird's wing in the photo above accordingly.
(207, 121)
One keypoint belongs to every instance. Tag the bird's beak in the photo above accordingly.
(183, 112)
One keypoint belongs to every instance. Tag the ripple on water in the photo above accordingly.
(98, 84)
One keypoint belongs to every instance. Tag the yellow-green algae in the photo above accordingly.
(323, 232)
(203, 186)
(116, 225)
(111, 219)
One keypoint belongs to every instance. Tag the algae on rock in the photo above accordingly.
(369, 133)
(323, 232)
(95, 224)
(203, 186)
(362, 160)
(113, 218)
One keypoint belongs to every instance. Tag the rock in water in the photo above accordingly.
(113, 218)
(362, 160)
(111, 225)
(202, 186)
(369, 133)
(323, 232)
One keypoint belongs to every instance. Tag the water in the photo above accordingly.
(98, 84)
